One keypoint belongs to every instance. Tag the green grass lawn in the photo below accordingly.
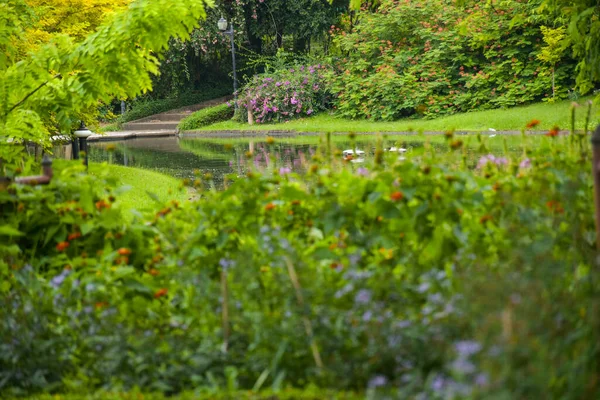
(549, 114)
(143, 186)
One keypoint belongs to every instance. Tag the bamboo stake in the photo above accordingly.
(307, 324)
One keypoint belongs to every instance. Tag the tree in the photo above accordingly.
(556, 45)
(584, 31)
(61, 79)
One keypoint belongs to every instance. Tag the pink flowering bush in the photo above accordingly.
(286, 94)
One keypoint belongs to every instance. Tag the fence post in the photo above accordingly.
(596, 173)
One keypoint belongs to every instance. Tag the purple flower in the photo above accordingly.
(59, 279)
(305, 81)
(284, 170)
(526, 163)
(438, 383)
(362, 171)
(363, 296)
(463, 366)
(287, 83)
(278, 84)
(377, 381)
(490, 158)
(367, 316)
(481, 380)
(466, 348)
(226, 263)
(294, 101)
(308, 112)
(292, 70)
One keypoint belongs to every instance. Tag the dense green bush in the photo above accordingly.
(145, 107)
(206, 116)
(431, 276)
(439, 57)
(285, 394)
(285, 94)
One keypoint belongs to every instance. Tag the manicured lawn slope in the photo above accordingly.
(142, 185)
(558, 113)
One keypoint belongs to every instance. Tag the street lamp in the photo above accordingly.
(222, 24)
(83, 133)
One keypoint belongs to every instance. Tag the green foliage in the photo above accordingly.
(146, 107)
(206, 117)
(285, 394)
(437, 275)
(584, 31)
(438, 57)
(48, 91)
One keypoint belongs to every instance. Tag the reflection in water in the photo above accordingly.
(180, 157)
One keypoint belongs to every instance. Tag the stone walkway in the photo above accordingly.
(158, 125)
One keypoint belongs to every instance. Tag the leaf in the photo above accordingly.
(154, 197)
(7, 230)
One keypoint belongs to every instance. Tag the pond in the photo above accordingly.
(181, 156)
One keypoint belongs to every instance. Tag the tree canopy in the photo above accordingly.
(46, 91)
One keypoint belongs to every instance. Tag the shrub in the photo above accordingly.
(206, 117)
(147, 107)
(437, 57)
(285, 94)
(429, 277)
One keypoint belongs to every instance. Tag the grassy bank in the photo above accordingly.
(550, 114)
(145, 190)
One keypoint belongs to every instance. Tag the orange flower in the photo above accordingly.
(296, 202)
(553, 132)
(485, 219)
(101, 304)
(555, 206)
(160, 293)
(62, 246)
(154, 272)
(270, 206)
(397, 196)
(101, 205)
(124, 251)
(532, 124)
(73, 236)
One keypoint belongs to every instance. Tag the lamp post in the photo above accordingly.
(83, 133)
(222, 24)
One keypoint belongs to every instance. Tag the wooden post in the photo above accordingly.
(250, 115)
(596, 173)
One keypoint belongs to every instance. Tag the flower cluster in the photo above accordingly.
(285, 94)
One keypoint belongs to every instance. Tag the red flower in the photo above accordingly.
(160, 293)
(553, 132)
(74, 236)
(62, 246)
(532, 124)
(397, 196)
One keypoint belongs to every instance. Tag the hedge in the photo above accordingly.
(206, 116)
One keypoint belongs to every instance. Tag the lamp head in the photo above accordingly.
(83, 132)
(222, 24)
